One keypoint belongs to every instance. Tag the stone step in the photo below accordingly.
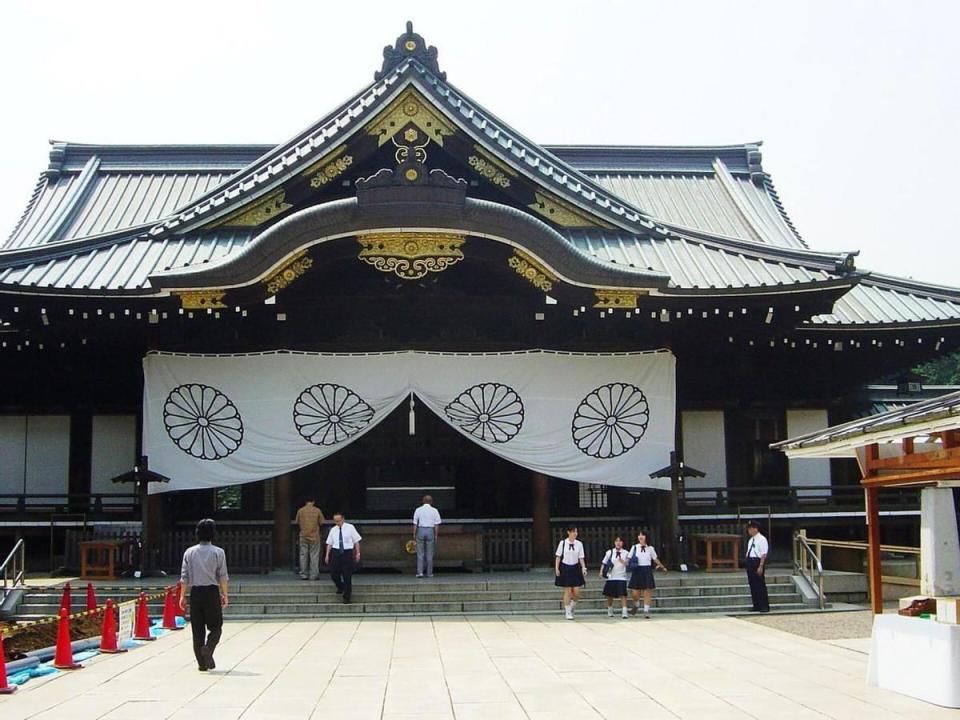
(355, 610)
(480, 606)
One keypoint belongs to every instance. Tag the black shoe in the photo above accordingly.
(346, 600)
(201, 668)
(208, 659)
(339, 591)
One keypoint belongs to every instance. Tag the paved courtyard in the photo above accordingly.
(703, 668)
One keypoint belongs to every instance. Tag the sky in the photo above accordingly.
(857, 103)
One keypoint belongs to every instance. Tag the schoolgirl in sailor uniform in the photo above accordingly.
(615, 563)
(641, 561)
(571, 570)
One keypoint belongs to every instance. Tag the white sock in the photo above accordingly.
(646, 609)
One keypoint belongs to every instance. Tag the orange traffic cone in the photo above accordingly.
(141, 629)
(65, 601)
(177, 596)
(5, 689)
(169, 612)
(63, 658)
(91, 598)
(108, 636)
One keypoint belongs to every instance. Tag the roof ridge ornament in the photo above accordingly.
(410, 45)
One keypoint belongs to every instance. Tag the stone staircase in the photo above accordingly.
(523, 593)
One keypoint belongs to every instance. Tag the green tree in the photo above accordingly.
(944, 370)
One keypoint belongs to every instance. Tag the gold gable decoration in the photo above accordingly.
(329, 168)
(258, 213)
(202, 299)
(532, 271)
(294, 268)
(484, 164)
(409, 108)
(411, 255)
(613, 299)
(562, 213)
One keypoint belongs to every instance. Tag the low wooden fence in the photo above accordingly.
(248, 550)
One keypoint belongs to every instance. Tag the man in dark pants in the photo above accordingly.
(343, 555)
(757, 550)
(204, 575)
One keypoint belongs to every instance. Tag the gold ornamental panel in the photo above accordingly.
(610, 299)
(532, 271)
(202, 299)
(329, 168)
(409, 108)
(294, 268)
(563, 214)
(258, 213)
(411, 255)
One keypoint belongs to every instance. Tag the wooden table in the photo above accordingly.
(720, 551)
(99, 559)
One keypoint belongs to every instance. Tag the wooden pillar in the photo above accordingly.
(871, 497)
(540, 540)
(282, 516)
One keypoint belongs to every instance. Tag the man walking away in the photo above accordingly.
(204, 576)
(343, 555)
(426, 524)
(309, 519)
(757, 550)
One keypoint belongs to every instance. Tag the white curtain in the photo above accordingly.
(214, 420)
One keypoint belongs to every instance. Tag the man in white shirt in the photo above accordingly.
(757, 550)
(426, 524)
(343, 555)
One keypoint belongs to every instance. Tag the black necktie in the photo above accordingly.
(341, 537)
(618, 554)
(571, 546)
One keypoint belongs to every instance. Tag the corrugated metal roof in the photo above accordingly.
(125, 265)
(696, 264)
(877, 302)
(111, 201)
(915, 419)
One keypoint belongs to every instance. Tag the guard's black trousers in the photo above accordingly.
(341, 571)
(758, 586)
(206, 614)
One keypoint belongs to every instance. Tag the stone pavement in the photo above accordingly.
(502, 668)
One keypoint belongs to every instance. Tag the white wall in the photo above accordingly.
(48, 453)
(113, 452)
(13, 438)
(808, 471)
(704, 447)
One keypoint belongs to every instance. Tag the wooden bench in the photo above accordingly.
(717, 551)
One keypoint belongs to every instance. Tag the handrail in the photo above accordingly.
(14, 568)
(859, 545)
(806, 561)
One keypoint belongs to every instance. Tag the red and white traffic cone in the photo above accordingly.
(91, 598)
(5, 689)
(178, 595)
(108, 635)
(141, 628)
(169, 612)
(65, 601)
(63, 658)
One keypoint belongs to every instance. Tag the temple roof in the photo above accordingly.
(117, 219)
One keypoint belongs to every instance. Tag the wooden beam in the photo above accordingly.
(942, 458)
(918, 477)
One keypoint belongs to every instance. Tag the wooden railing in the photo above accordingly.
(248, 550)
(790, 499)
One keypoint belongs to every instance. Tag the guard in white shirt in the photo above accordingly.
(757, 549)
(343, 555)
(426, 524)
(614, 569)
(571, 569)
(643, 558)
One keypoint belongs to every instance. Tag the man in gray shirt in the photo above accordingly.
(204, 575)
